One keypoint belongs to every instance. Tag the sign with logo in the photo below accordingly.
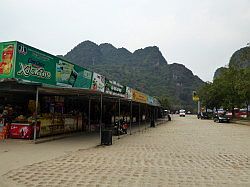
(150, 100)
(84, 77)
(35, 65)
(7, 59)
(70, 75)
(65, 74)
(139, 96)
(114, 88)
(98, 82)
(129, 94)
(195, 96)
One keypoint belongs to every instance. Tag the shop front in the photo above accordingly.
(42, 95)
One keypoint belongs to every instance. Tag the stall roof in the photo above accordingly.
(15, 85)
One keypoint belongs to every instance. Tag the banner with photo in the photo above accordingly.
(98, 82)
(129, 94)
(7, 59)
(150, 100)
(70, 75)
(65, 74)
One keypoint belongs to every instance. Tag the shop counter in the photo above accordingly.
(23, 130)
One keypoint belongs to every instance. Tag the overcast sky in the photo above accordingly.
(201, 34)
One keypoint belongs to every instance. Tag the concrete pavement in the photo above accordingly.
(183, 152)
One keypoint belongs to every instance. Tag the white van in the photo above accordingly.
(182, 113)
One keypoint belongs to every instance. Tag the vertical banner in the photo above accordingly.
(7, 59)
(129, 94)
(98, 82)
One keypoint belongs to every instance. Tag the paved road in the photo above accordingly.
(183, 152)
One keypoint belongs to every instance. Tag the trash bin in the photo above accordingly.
(106, 137)
(169, 118)
(152, 123)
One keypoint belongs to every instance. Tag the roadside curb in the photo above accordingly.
(242, 122)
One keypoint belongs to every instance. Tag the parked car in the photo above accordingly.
(182, 113)
(221, 117)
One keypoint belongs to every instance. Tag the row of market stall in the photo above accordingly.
(43, 95)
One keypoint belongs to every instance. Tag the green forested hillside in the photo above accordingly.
(145, 70)
(239, 59)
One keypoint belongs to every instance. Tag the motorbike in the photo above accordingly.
(121, 128)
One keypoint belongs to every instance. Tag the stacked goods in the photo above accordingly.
(69, 123)
(4, 133)
(46, 122)
(58, 124)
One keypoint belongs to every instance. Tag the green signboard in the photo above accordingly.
(18, 60)
(7, 59)
(114, 88)
(35, 65)
(84, 78)
(70, 75)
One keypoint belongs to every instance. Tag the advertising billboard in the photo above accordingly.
(35, 65)
(129, 94)
(139, 96)
(65, 74)
(70, 75)
(150, 100)
(7, 59)
(98, 82)
(114, 88)
(84, 77)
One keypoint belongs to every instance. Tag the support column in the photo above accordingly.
(199, 107)
(131, 117)
(36, 113)
(89, 115)
(101, 120)
(146, 115)
(119, 114)
(139, 116)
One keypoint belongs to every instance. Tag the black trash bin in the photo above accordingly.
(169, 118)
(152, 123)
(106, 137)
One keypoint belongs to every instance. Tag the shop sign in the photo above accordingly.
(70, 75)
(156, 102)
(7, 59)
(34, 65)
(129, 94)
(84, 78)
(195, 96)
(114, 88)
(139, 96)
(98, 82)
(150, 100)
(65, 74)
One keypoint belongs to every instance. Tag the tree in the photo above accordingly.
(243, 85)
(164, 100)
